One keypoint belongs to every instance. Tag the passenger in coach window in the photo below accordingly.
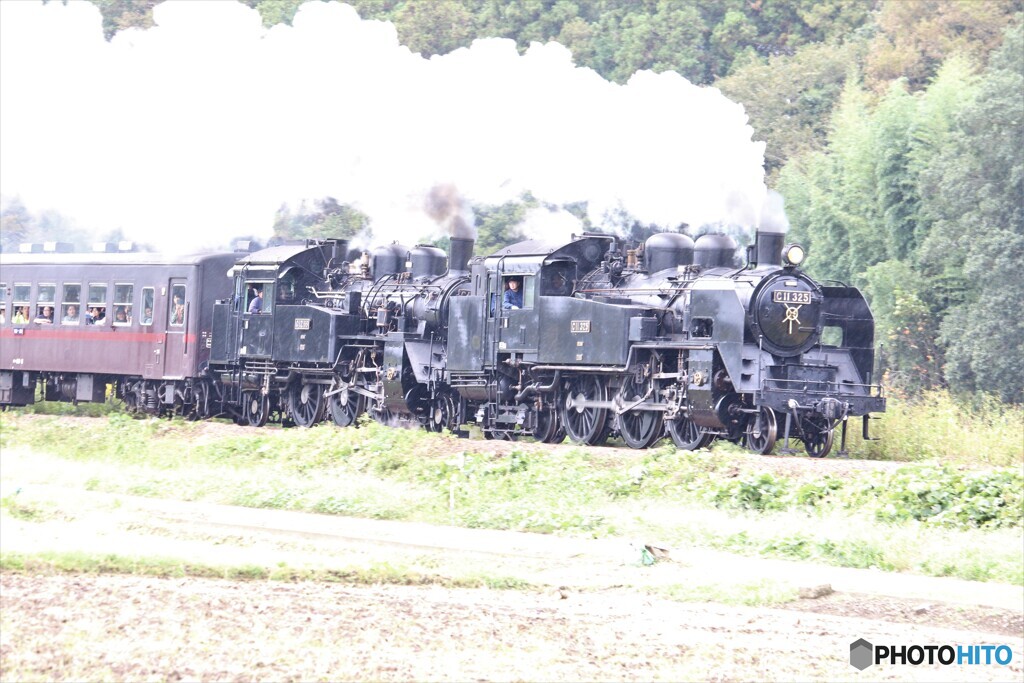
(147, 315)
(177, 311)
(20, 315)
(120, 317)
(100, 316)
(45, 315)
(72, 314)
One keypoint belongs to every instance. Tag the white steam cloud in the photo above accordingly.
(196, 130)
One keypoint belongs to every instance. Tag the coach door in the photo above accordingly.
(177, 347)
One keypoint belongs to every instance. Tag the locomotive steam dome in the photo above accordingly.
(786, 310)
(667, 250)
(388, 260)
(428, 261)
(714, 250)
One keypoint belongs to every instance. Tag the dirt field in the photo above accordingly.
(595, 612)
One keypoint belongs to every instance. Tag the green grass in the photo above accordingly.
(27, 512)
(170, 567)
(924, 517)
(976, 431)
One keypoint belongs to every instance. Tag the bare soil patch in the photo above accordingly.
(130, 628)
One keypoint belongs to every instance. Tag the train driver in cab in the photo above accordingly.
(513, 299)
(256, 305)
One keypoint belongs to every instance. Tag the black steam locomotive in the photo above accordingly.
(668, 338)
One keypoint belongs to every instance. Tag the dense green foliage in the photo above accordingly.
(894, 129)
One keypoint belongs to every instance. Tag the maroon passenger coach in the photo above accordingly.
(74, 323)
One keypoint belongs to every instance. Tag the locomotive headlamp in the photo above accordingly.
(793, 254)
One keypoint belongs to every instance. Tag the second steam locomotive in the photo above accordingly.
(665, 338)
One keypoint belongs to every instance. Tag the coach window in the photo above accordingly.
(97, 313)
(22, 293)
(176, 314)
(147, 305)
(123, 304)
(45, 303)
(71, 306)
(3, 303)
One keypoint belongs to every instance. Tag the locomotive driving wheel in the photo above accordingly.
(345, 405)
(585, 424)
(257, 408)
(818, 439)
(762, 431)
(638, 428)
(687, 435)
(548, 429)
(306, 403)
(444, 412)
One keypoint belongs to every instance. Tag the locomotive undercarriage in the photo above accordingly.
(653, 399)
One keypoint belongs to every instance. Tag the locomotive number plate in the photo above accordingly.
(302, 323)
(579, 326)
(781, 296)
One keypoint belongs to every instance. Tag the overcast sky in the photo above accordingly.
(196, 130)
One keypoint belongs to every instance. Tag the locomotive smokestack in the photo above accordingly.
(461, 252)
(769, 248)
(771, 231)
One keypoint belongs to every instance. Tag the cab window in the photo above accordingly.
(527, 285)
(252, 290)
(529, 290)
(557, 280)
